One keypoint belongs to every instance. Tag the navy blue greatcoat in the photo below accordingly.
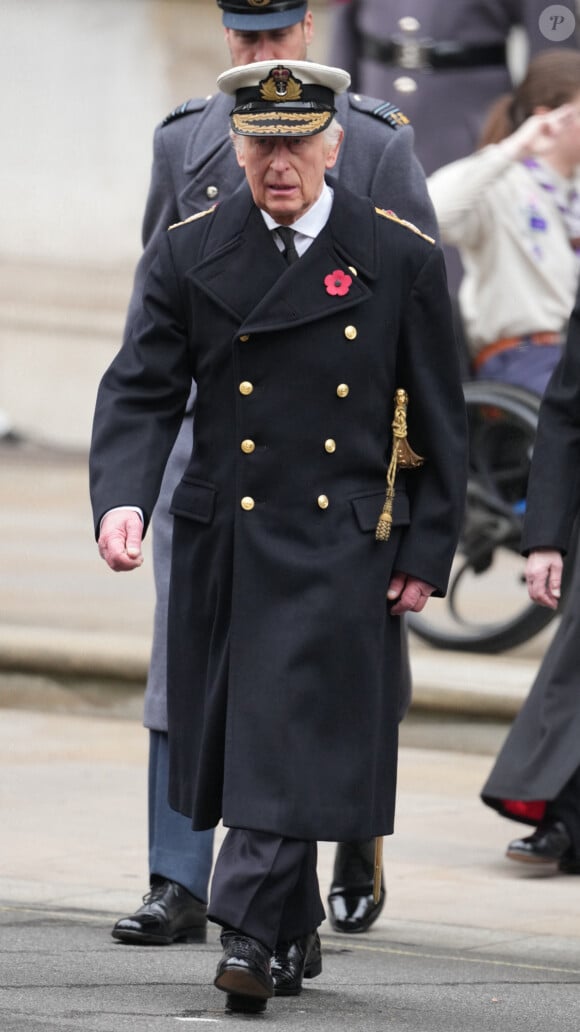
(283, 658)
(194, 165)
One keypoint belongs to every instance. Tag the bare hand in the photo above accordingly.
(120, 539)
(539, 133)
(411, 594)
(544, 576)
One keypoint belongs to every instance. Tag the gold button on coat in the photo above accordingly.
(248, 446)
(350, 332)
(245, 337)
(246, 387)
(211, 192)
(330, 446)
(342, 390)
(247, 503)
(322, 502)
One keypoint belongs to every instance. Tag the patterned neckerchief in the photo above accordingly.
(565, 196)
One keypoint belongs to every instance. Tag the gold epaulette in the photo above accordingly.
(192, 218)
(387, 214)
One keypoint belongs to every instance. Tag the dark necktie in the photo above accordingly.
(287, 237)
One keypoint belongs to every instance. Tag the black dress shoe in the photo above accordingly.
(244, 973)
(236, 1004)
(549, 844)
(293, 961)
(169, 914)
(350, 900)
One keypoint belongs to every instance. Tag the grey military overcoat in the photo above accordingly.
(283, 658)
(194, 166)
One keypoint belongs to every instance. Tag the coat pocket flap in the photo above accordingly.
(194, 500)
(368, 508)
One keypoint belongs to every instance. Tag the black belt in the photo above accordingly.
(425, 53)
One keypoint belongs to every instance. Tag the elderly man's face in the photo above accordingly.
(289, 44)
(286, 175)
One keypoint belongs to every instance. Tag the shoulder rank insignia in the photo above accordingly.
(178, 112)
(383, 110)
(388, 214)
(194, 218)
(391, 114)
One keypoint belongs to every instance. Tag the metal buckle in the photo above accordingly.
(411, 54)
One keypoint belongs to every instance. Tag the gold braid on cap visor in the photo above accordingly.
(308, 122)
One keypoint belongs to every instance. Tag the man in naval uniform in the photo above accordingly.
(194, 165)
(300, 310)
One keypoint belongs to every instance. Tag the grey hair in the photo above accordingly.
(332, 132)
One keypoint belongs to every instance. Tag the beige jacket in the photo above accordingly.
(518, 279)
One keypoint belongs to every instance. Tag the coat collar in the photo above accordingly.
(209, 160)
(211, 135)
(243, 271)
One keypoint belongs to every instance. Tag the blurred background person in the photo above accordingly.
(445, 63)
(513, 211)
(536, 777)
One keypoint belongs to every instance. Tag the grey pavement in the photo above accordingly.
(467, 940)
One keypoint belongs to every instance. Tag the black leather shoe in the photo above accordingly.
(236, 1004)
(350, 900)
(549, 844)
(169, 914)
(293, 961)
(244, 972)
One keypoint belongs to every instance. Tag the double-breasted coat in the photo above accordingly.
(283, 657)
(194, 165)
(542, 749)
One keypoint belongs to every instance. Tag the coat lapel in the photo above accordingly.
(241, 262)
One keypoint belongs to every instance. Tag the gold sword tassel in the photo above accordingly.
(378, 869)
(402, 457)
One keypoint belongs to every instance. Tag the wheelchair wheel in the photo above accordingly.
(487, 608)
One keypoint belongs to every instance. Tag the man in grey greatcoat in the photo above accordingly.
(194, 165)
(318, 330)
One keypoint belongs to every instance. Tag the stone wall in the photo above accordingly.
(82, 85)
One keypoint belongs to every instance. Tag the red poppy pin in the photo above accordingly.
(337, 283)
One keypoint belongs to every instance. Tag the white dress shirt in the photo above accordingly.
(309, 225)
